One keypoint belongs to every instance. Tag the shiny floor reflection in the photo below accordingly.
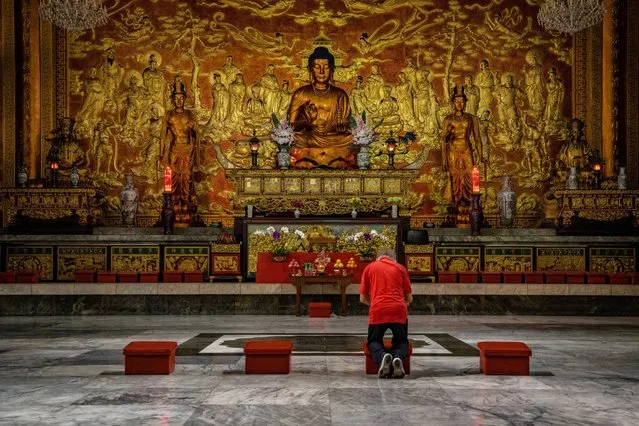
(69, 370)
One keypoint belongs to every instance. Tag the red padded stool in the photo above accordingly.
(27, 277)
(534, 277)
(597, 277)
(106, 277)
(634, 277)
(128, 277)
(618, 278)
(491, 277)
(372, 367)
(555, 277)
(172, 276)
(447, 276)
(149, 277)
(7, 277)
(513, 277)
(268, 356)
(194, 277)
(319, 309)
(575, 277)
(504, 358)
(148, 357)
(84, 276)
(468, 277)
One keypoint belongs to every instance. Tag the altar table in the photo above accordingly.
(342, 281)
(270, 272)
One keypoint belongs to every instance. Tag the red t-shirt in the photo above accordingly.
(387, 283)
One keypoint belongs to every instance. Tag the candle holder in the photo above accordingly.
(254, 145)
(391, 146)
(54, 173)
(597, 165)
(476, 214)
(168, 214)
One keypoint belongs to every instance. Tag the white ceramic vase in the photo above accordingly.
(573, 179)
(622, 179)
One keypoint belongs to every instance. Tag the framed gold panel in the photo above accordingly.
(459, 259)
(313, 185)
(616, 260)
(135, 258)
(273, 185)
(332, 185)
(419, 264)
(561, 259)
(373, 186)
(352, 186)
(252, 186)
(72, 258)
(31, 259)
(497, 259)
(186, 258)
(392, 186)
(293, 185)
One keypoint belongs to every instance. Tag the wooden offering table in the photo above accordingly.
(342, 281)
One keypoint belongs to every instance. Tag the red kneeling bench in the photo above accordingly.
(504, 358)
(372, 367)
(149, 357)
(268, 356)
(319, 309)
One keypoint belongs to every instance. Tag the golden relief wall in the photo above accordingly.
(241, 60)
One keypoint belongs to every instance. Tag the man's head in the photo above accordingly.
(239, 77)
(577, 128)
(270, 68)
(484, 65)
(390, 253)
(468, 80)
(321, 64)
(229, 60)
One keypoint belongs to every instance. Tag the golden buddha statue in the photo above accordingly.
(461, 148)
(320, 114)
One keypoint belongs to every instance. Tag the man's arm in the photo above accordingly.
(408, 298)
(366, 299)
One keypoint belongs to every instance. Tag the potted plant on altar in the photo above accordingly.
(283, 135)
(367, 243)
(297, 204)
(279, 243)
(394, 202)
(354, 203)
(363, 136)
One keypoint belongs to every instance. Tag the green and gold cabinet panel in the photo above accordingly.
(420, 259)
(497, 259)
(458, 259)
(186, 258)
(616, 260)
(31, 259)
(135, 258)
(561, 259)
(226, 260)
(72, 258)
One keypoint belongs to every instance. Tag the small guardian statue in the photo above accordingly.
(129, 196)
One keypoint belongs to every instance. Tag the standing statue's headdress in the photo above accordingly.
(459, 92)
(178, 87)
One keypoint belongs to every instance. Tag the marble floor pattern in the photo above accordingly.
(69, 371)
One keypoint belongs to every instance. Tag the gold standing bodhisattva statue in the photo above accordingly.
(461, 149)
(180, 147)
(320, 114)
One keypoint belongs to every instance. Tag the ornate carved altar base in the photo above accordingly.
(324, 192)
(602, 205)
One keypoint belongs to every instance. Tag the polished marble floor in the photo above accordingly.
(69, 370)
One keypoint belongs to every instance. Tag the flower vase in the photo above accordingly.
(297, 213)
(23, 177)
(573, 179)
(353, 213)
(249, 211)
(363, 158)
(283, 157)
(75, 177)
(622, 179)
(394, 211)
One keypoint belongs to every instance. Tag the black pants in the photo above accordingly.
(376, 340)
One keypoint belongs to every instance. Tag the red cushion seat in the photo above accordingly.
(194, 277)
(319, 309)
(447, 276)
(575, 277)
(106, 277)
(8, 277)
(128, 277)
(149, 357)
(27, 277)
(553, 277)
(531, 277)
(489, 277)
(468, 277)
(504, 358)
(513, 277)
(618, 278)
(597, 277)
(268, 356)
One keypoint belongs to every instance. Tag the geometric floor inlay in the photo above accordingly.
(424, 344)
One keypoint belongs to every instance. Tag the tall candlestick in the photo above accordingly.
(168, 186)
(475, 179)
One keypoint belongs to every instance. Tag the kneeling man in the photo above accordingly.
(386, 288)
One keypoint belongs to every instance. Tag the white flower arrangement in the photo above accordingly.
(284, 230)
(362, 134)
(270, 229)
(300, 234)
(282, 132)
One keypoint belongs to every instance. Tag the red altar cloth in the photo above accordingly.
(269, 272)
